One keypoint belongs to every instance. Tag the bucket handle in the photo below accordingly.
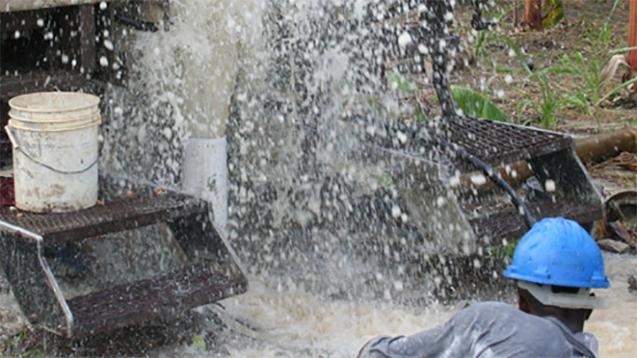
(17, 147)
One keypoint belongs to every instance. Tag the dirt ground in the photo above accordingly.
(591, 28)
(582, 30)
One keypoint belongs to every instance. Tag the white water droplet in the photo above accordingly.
(508, 79)
(478, 179)
(405, 39)
(550, 185)
(396, 212)
(108, 44)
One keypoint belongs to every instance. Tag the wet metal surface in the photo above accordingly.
(101, 219)
(164, 296)
(504, 143)
(209, 271)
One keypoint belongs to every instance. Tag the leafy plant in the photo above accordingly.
(555, 14)
(604, 36)
(503, 251)
(199, 343)
(579, 101)
(483, 39)
(20, 345)
(616, 90)
(550, 100)
(477, 105)
(401, 84)
(550, 105)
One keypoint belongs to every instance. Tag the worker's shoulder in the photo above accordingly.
(492, 311)
(491, 306)
(505, 315)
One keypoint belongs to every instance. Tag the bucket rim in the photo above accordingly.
(94, 102)
(95, 114)
(94, 123)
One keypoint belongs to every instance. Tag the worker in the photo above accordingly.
(555, 266)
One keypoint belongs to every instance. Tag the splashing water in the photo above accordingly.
(318, 218)
(287, 83)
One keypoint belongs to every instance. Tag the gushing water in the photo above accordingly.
(320, 220)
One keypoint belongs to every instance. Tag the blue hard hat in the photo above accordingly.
(558, 252)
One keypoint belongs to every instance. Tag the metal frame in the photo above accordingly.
(212, 271)
(19, 233)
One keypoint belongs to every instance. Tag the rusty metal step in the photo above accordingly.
(208, 268)
(504, 143)
(493, 142)
(506, 223)
(118, 215)
(163, 296)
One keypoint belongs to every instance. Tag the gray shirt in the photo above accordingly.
(489, 329)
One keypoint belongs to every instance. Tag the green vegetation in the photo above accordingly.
(573, 81)
(199, 343)
(20, 345)
(568, 83)
(477, 105)
(471, 103)
(555, 15)
(401, 84)
(502, 251)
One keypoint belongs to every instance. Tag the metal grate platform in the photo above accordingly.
(494, 142)
(499, 143)
(161, 296)
(208, 272)
(118, 215)
(506, 223)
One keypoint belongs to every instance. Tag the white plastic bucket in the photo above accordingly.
(54, 137)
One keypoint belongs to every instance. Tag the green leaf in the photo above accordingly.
(579, 101)
(555, 14)
(400, 84)
(616, 90)
(199, 343)
(477, 105)
(622, 50)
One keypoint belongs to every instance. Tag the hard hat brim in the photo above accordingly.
(579, 300)
(598, 282)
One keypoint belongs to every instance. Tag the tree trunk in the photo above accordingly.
(533, 14)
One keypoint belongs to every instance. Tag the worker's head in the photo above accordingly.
(556, 264)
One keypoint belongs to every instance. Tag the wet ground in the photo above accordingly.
(270, 321)
(266, 322)
(273, 322)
